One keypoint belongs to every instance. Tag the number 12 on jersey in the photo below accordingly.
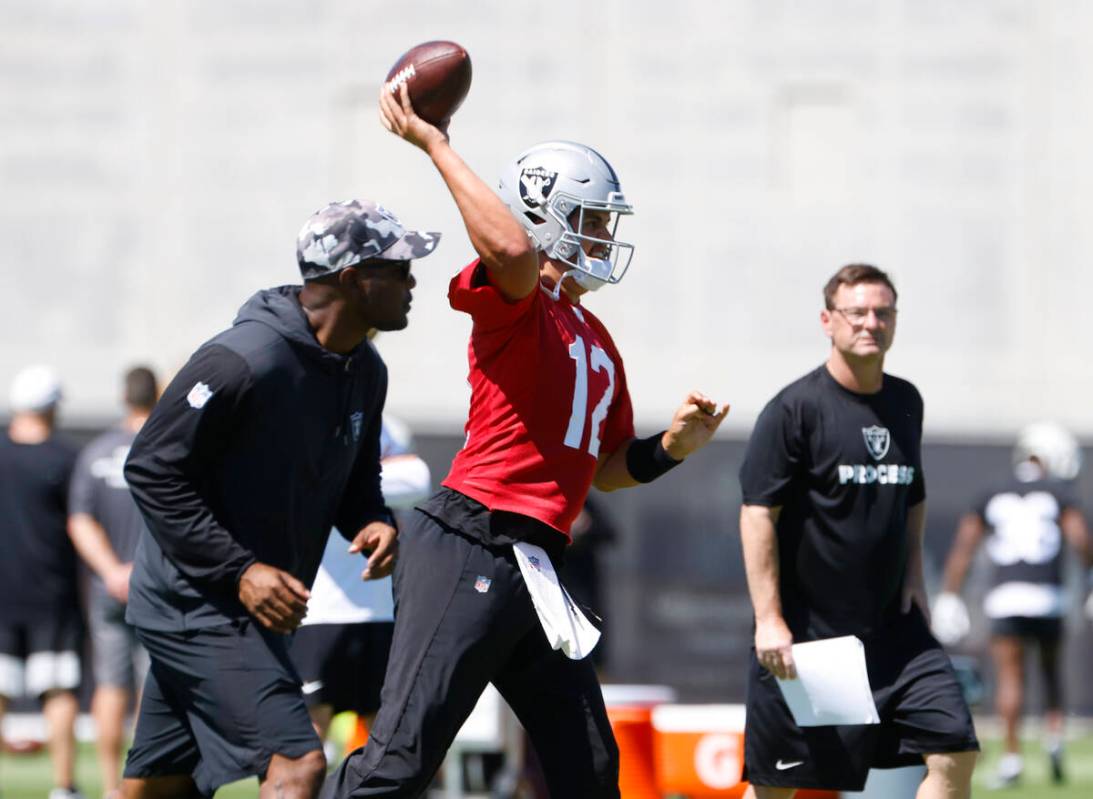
(598, 362)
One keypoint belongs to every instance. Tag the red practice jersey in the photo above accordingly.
(548, 396)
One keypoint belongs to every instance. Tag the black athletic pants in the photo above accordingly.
(463, 618)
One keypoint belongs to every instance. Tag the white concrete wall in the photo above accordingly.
(158, 157)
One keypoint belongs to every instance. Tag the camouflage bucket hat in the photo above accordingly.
(345, 233)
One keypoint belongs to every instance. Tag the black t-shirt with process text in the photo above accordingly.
(844, 468)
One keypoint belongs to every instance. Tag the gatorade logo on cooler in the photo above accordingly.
(717, 760)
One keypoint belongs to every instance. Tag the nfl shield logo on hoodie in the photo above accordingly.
(199, 395)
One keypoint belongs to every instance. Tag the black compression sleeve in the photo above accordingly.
(646, 459)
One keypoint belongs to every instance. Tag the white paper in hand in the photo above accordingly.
(832, 685)
(563, 622)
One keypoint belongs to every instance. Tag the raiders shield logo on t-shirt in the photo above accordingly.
(877, 440)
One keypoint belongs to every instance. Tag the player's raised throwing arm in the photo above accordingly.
(497, 237)
(773, 639)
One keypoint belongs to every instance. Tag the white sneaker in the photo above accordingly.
(1010, 766)
(66, 793)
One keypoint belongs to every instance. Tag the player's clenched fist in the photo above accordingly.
(274, 597)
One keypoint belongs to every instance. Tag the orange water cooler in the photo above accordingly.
(698, 750)
(630, 709)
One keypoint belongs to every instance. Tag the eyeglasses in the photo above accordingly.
(857, 315)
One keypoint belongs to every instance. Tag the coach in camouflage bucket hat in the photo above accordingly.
(346, 233)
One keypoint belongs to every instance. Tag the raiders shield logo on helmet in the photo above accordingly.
(535, 185)
(877, 441)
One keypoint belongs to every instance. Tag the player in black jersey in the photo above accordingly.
(1023, 524)
(832, 525)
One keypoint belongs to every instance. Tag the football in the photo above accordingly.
(438, 77)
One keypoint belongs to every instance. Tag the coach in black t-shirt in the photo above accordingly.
(832, 524)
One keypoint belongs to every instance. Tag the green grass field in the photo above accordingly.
(27, 776)
(1036, 783)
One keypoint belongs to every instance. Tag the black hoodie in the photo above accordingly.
(262, 442)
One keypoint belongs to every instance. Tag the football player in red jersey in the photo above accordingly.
(550, 416)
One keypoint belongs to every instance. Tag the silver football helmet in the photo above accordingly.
(549, 188)
(1053, 445)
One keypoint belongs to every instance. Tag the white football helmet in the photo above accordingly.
(550, 182)
(1051, 444)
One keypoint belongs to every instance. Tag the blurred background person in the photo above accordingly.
(105, 526)
(41, 629)
(583, 572)
(342, 645)
(1023, 524)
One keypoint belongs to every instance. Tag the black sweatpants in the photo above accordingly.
(463, 618)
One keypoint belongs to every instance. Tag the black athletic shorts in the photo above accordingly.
(42, 654)
(1045, 630)
(343, 664)
(218, 703)
(919, 700)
